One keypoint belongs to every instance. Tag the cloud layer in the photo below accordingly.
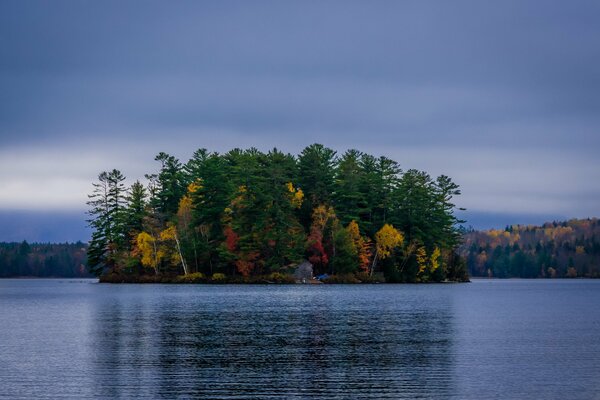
(503, 97)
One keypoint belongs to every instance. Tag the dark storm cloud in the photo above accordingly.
(502, 96)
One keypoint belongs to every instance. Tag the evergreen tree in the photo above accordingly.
(250, 213)
(345, 260)
(136, 209)
(210, 199)
(170, 186)
(350, 202)
(107, 203)
(316, 169)
(380, 180)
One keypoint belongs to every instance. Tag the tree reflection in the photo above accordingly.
(258, 342)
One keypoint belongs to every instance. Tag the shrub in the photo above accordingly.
(365, 277)
(148, 279)
(218, 278)
(196, 277)
(111, 278)
(341, 278)
(126, 278)
(278, 277)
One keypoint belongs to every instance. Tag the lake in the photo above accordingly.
(512, 339)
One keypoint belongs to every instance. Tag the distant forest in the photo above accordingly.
(246, 214)
(67, 260)
(554, 250)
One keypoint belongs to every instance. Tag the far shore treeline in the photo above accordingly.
(247, 216)
(43, 260)
(567, 249)
(559, 249)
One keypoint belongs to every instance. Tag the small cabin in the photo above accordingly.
(304, 272)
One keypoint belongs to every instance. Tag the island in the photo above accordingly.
(247, 216)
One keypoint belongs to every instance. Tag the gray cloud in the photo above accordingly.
(503, 96)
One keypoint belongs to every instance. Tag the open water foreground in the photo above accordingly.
(504, 339)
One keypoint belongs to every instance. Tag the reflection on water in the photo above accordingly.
(277, 342)
(510, 339)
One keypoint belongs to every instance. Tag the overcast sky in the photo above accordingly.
(502, 96)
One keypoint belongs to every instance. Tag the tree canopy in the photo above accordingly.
(566, 249)
(249, 213)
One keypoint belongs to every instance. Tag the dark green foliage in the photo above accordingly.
(108, 219)
(170, 185)
(66, 260)
(379, 179)
(344, 260)
(554, 250)
(214, 193)
(135, 211)
(342, 278)
(350, 200)
(246, 214)
(457, 268)
(97, 253)
(316, 172)
(414, 214)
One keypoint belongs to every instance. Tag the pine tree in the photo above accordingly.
(170, 186)
(136, 209)
(107, 203)
(316, 169)
(350, 202)
(209, 200)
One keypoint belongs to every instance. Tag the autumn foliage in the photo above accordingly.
(557, 249)
(247, 213)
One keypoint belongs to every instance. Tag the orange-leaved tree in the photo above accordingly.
(361, 245)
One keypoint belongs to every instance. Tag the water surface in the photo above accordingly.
(514, 339)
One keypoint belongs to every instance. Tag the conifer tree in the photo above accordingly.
(107, 206)
(316, 170)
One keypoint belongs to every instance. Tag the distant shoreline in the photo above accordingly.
(264, 282)
(274, 279)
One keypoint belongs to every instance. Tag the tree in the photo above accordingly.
(316, 168)
(188, 235)
(263, 213)
(212, 195)
(350, 201)
(445, 222)
(323, 220)
(135, 211)
(107, 203)
(360, 245)
(170, 186)
(147, 249)
(251, 213)
(387, 239)
(380, 178)
(345, 259)
(170, 235)
(414, 197)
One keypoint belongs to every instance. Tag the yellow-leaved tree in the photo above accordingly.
(170, 235)
(387, 239)
(147, 249)
(188, 235)
(360, 244)
(421, 256)
(427, 265)
(435, 259)
(296, 195)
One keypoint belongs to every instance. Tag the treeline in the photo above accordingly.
(554, 250)
(246, 213)
(65, 260)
